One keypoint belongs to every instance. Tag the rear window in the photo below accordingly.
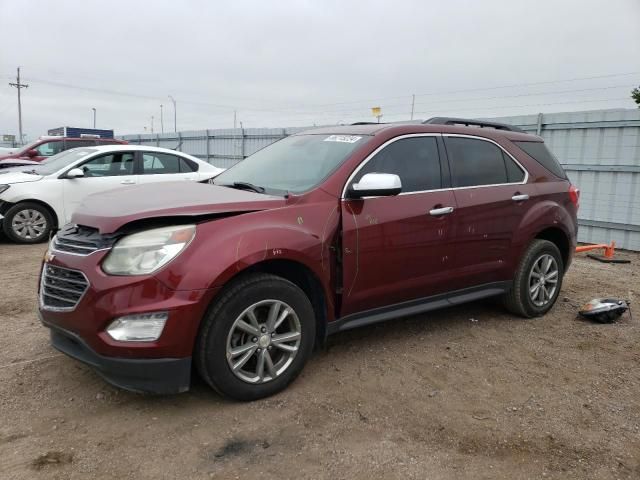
(540, 153)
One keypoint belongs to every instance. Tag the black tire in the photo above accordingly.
(210, 355)
(518, 300)
(45, 215)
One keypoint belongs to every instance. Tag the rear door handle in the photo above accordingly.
(436, 212)
(520, 198)
(128, 182)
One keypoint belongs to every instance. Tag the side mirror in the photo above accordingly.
(376, 185)
(75, 173)
(32, 153)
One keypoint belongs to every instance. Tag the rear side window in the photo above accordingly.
(475, 162)
(540, 153)
(186, 166)
(69, 144)
(415, 160)
(159, 163)
(514, 173)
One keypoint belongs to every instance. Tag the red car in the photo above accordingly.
(46, 147)
(321, 232)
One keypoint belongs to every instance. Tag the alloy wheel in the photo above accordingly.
(263, 341)
(29, 224)
(543, 280)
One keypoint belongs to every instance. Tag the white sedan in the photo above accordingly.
(37, 199)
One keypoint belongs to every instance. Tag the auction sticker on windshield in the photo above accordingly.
(342, 138)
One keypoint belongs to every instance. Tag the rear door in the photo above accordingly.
(104, 172)
(398, 248)
(492, 197)
(165, 167)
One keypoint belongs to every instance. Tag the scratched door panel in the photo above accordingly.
(394, 250)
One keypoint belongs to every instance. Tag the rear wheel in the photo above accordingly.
(27, 222)
(537, 282)
(256, 338)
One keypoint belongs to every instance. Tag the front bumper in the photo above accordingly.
(160, 366)
(156, 375)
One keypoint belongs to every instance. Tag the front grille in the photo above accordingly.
(61, 288)
(81, 240)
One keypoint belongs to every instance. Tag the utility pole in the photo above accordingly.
(234, 119)
(94, 117)
(161, 120)
(151, 123)
(413, 104)
(175, 128)
(19, 86)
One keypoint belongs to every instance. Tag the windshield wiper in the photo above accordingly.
(31, 172)
(244, 186)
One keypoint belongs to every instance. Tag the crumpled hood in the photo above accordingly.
(108, 211)
(9, 176)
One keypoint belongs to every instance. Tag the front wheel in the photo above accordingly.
(256, 338)
(537, 282)
(28, 222)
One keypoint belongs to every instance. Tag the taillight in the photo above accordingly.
(574, 195)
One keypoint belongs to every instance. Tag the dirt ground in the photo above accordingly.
(469, 392)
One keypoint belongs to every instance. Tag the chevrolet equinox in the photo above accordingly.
(323, 231)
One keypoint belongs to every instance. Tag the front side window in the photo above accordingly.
(477, 162)
(48, 149)
(294, 164)
(159, 163)
(415, 160)
(114, 164)
(61, 160)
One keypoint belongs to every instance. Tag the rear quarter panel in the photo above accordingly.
(551, 208)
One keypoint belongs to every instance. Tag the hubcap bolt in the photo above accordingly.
(269, 347)
(254, 339)
(263, 329)
(259, 349)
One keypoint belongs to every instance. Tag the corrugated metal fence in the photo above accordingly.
(599, 149)
(222, 147)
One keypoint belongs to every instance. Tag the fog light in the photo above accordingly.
(142, 327)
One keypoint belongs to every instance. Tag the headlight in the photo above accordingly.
(4, 187)
(145, 252)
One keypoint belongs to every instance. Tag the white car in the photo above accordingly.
(37, 199)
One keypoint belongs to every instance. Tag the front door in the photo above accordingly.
(397, 248)
(101, 173)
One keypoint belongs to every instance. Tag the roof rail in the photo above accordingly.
(472, 123)
(367, 123)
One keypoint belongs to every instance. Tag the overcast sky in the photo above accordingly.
(294, 63)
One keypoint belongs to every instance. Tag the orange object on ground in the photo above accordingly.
(609, 250)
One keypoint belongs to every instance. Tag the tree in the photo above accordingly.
(635, 94)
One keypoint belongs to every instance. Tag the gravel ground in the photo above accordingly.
(468, 392)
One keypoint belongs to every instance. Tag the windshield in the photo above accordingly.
(294, 164)
(31, 146)
(61, 160)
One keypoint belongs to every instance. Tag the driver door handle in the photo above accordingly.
(520, 197)
(436, 212)
(128, 182)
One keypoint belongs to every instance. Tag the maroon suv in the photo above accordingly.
(323, 231)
